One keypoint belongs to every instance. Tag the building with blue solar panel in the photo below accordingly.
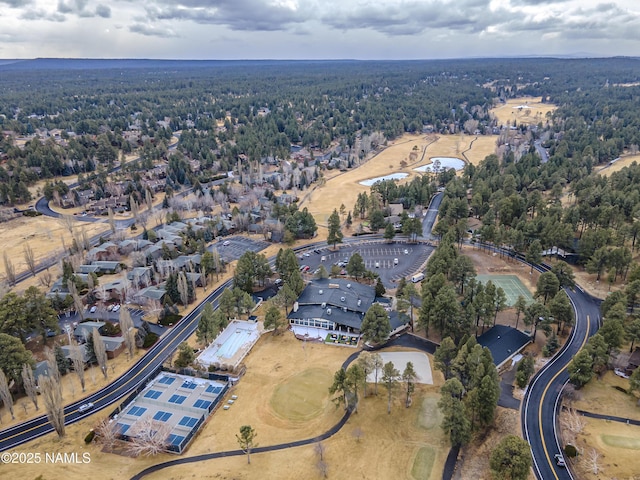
(180, 402)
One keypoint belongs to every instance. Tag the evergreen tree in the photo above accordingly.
(335, 234)
(375, 326)
(511, 459)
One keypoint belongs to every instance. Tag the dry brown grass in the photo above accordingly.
(615, 462)
(386, 450)
(507, 112)
(624, 161)
(43, 234)
(343, 188)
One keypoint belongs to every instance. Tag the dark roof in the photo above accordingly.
(503, 342)
(338, 293)
(345, 301)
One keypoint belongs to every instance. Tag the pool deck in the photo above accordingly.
(228, 349)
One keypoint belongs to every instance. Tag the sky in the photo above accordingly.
(317, 29)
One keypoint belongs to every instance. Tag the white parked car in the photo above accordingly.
(116, 308)
(93, 309)
(226, 243)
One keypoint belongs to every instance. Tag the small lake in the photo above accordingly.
(441, 163)
(393, 176)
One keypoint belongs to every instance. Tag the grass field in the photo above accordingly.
(619, 441)
(423, 463)
(302, 397)
(522, 110)
(624, 161)
(511, 285)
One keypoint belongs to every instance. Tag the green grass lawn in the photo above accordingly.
(632, 443)
(303, 396)
(423, 463)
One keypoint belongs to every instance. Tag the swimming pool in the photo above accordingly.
(238, 337)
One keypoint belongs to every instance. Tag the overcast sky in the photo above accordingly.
(317, 29)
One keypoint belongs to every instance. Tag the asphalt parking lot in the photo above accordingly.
(378, 257)
(232, 248)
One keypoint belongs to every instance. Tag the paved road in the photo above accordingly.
(139, 373)
(544, 156)
(430, 218)
(541, 403)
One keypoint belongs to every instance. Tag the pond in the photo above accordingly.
(441, 163)
(393, 176)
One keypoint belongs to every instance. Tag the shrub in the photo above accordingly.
(149, 340)
(90, 436)
(570, 451)
(170, 319)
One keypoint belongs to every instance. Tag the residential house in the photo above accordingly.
(84, 329)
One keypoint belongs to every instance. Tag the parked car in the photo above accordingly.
(377, 264)
(306, 268)
(306, 254)
(116, 307)
(406, 251)
(226, 243)
(85, 407)
(110, 307)
(395, 261)
(277, 281)
(93, 309)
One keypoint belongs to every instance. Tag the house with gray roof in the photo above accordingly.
(84, 329)
(150, 294)
(333, 304)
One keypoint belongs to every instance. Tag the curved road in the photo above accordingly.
(139, 373)
(541, 403)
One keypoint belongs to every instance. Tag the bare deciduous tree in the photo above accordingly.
(77, 360)
(100, 352)
(5, 394)
(9, 269)
(77, 301)
(592, 461)
(148, 437)
(111, 220)
(29, 258)
(30, 385)
(183, 288)
(67, 222)
(46, 278)
(52, 364)
(51, 391)
(128, 331)
(108, 432)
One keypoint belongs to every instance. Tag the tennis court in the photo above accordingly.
(511, 285)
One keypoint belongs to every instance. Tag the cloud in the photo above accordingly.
(39, 14)
(535, 3)
(151, 31)
(17, 3)
(413, 17)
(248, 15)
(103, 11)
